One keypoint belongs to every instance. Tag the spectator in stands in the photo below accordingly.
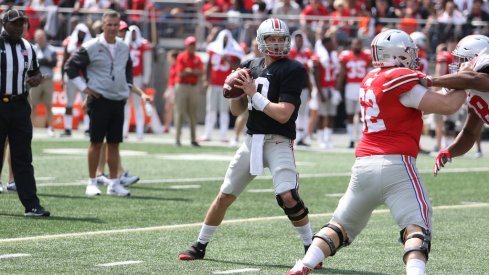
(315, 8)
(477, 14)
(451, 15)
(189, 70)
(382, 9)
(212, 7)
(287, 8)
(43, 94)
(464, 6)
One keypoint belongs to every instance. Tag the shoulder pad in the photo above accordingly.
(403, 78)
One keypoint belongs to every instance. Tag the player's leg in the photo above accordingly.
(313, 113)
(210, 114)
(239, 125)
(350, 217)
(180, 108)
(138, 109)
(193, 104)
(70, 90)
(410, 206)
(48, 87)
(223, 106)
(169, 105)
(350, 115)
(236, 179)
(302, 119)
(127, 116)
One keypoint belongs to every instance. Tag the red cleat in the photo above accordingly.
(299, 269)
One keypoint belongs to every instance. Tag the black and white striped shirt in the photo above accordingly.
(17, 60)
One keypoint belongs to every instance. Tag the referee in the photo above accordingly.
(18, 67)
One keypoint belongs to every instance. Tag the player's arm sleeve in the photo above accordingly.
(291, 86)
(412, 98)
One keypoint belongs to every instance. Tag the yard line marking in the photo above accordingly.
(261, 190)
(219, 179)
(188, 225)
(233, 271)
(335, 194)
(195, 186)
(119, 263)
(8, 256)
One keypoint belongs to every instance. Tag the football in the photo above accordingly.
(229, 90)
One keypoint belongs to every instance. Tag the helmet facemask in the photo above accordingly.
(275, 49)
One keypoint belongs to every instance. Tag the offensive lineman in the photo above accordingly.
(272, 96)
(385, 171)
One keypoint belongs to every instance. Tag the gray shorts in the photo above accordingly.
(278, 156)
(392, 180)
(215, 101)
(330, 106)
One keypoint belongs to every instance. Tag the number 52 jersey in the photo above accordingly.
(389, 127)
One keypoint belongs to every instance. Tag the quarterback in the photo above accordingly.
(384, 172)
(272, 93)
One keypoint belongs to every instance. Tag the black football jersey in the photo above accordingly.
(281, 81)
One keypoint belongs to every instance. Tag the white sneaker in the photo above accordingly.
(127, 179)
(11, 187)
(50, 132)
(92, 190)
(478, 154)
(115, 189)
(103, 180)
(233, 143)
(1, 188)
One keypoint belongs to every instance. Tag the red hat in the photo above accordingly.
(123, 25)
(190, 40)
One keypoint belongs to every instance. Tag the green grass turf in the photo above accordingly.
(459, 244)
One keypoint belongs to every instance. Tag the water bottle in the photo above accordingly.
(148, 108)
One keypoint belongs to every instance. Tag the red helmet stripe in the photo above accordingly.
(374, 49)
(276, 23)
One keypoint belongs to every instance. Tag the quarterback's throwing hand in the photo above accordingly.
(441, 159)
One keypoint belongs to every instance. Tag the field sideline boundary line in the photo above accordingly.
(188, 225)
(219, 179)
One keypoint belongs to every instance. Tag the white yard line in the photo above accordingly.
(119, 263)
(219, 179)
(194, 186)
(234, 271)
(8, 256)
(177, 226)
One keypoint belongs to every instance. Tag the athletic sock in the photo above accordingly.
(206, 233)
(314, 256)
(415, 267)
(305, 232)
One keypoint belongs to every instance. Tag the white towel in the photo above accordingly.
(256, 155)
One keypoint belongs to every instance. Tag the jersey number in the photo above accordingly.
(370, 111)
(481, 107)
(135, 55)
(356, 69)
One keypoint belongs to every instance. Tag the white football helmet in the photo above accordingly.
(420, 40)
(469, 47)
(275, 27)
(394, 48)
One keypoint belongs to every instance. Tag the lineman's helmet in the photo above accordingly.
(468, 48)
(420, 40)
(394, 48)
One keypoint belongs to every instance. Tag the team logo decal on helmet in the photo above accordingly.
(469, 47)
(273, 27)
(394, 48)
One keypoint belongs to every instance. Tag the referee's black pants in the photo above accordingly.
(16, 124)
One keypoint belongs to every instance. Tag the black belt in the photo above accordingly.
(13, 98)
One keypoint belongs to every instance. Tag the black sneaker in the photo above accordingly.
(37, 212)
(66, 133)
(195, 252)
(352, 145)
(302, 143)
(319, 265)
(195, 144)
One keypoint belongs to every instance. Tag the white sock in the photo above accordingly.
(313, 257)
(206, 233)
(415, 267)
(86, 122)
(349, 130)
(305, 232)
(92, 181)
(210, 121)
(223, 124)
(327, 135)
(68, 122)
(114, 181)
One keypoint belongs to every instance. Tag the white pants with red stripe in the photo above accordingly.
(392, 180)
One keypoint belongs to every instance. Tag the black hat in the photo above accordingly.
(13, 15)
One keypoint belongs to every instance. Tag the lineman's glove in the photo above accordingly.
(425, 80)
(441, 159)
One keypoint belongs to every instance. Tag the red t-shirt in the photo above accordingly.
(310, 11)
(356, 65)
(220, 67)
(303, 56)
(172, 75)
(389, 128)
(186, 60)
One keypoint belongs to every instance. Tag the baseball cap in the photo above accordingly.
(190, 40)
(13, 15)
(123, 25)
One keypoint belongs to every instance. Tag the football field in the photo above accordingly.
(144, 233)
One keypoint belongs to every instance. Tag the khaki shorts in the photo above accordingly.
(43, 93)
(278, 156)
(392, 180)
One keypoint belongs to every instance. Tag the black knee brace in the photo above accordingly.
(343, 240)
(424, 248)
(296, 213)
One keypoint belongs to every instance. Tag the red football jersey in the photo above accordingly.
(328, 72)
(444, 57)
(423, 62)
(356, 65)
(389, 127)
(220, 68)
(303, 56)
(137, 55)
